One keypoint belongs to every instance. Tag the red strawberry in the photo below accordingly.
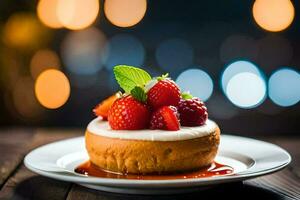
(164, 93)
(192, 112)
(127, 113)
(165, 118)
(103, 108)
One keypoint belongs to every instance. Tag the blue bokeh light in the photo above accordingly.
(197, 82)
(84, 52)
(284, 87)
(174, 55)
(246, 90)
(237, 67)
(125, 49)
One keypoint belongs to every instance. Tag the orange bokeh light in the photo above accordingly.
(125, 13)
(77, 14)
(52, 88)
(273, 15)
(46, 11)
(24, 31)
(42, 60)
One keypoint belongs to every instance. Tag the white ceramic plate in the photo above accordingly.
(249, 158)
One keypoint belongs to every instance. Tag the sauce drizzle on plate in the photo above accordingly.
(215, 169)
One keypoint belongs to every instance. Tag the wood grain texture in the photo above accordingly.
(23, 184)
(283, 182)
(13, 145)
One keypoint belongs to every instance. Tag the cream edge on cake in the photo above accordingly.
(102, 128)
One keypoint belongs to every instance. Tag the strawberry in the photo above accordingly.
(127, 113)
(103, 108)
(192, 112)
(164, 93)
(165, 118)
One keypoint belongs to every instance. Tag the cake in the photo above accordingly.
(151, 128)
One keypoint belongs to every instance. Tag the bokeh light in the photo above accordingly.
(238, 47)
(174, 54)
(77, 14)
(125, 13)
(236, 68)
(197, 82)
(246, 90)
(273, 15)
(284, 87)
(52, 88)
(84, 52)
(43, 59)
(24, 100)
(47, 13)
(125, 49)
(24, 31)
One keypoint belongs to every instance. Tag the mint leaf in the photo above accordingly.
(139, 94)
(186, 95)
(129, 77)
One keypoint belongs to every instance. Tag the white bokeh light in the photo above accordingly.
(197, 82)
(284, 87)
(235, 68)
(246, 90)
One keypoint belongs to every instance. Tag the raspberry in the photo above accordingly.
(192, 112)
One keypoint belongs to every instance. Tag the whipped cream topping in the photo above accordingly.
(102, 128)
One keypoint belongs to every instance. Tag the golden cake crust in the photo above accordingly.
(144, 157)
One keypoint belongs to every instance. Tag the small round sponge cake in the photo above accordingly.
(151, 151)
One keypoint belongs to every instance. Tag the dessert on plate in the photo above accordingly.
(151, 128)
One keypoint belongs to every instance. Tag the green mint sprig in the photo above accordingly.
(139, 94)
(132, 80)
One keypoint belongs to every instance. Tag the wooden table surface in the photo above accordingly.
(17, 182)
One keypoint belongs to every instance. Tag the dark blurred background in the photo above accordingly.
(240, 57)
